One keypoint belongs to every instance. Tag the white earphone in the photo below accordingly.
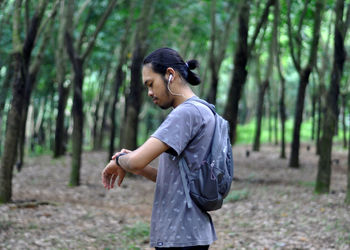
(170, 78)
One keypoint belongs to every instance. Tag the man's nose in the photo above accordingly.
(150, 93)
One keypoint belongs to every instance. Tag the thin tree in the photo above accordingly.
(21, 55)
(262, 87)
(344, 109)
(30, 80)
(63, 87)
(134, 99)
(241, 57)
(78, 58)
(282, 106)
(304, 72)
(347, 198)
(323, 179)
(218, 45)
(119, 76)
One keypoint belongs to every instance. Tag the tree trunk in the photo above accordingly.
(134, 99)
(329, 122)
(304, 74)
(239, 72)
(60, 132)
(119, 78)
(95, 130)
(313, 112)
(298, 118)
(77, 109)
(269, 115)
(277, 46)
(259, 114)
(103, 123)
(13, 127)
(78, 123)
(347, 199)
(275, 124)
(319, 122)
(343, 120)
(241, 58)
(21, 57)
(63, 91)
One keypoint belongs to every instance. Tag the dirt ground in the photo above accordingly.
(270, 206)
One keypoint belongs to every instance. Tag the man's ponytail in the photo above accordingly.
(192, 78)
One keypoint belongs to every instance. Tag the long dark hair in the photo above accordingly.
(163, 58)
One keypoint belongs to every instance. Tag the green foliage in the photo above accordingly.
(237, 195)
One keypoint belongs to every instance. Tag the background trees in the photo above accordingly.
(74, 68)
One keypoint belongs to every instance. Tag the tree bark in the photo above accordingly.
(343, 120)
(313, 108)
(347, 198)
(95, 130)
(119, 78)
(329, 122)
(218, 46)
(103, 129)
(21, 57)
(298, 118)
(319, 122)
(239, 72)
(281, 105)
(77, 61)
(30, 82)
(304, 74)
(134, 99)
(241, 58)
(63, 90)
(262, 90)
(77, 112)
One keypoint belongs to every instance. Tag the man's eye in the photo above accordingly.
(150, 85)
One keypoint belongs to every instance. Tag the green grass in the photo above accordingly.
(246, 132)
(308, 184)
(237, 195)
(135, 235)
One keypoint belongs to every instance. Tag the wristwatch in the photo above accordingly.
(117, 158)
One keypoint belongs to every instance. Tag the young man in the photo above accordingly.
(186, 132)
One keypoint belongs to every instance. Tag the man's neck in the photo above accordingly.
(181, 99)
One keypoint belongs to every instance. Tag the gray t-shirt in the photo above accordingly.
(188, 131)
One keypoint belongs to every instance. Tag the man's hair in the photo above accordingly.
(163, 58)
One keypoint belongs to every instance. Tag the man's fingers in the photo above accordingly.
(120, 179)
(114, 177)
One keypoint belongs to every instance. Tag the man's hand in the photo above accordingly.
(125, 151)
(110, 174)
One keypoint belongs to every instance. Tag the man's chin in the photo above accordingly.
(163, 107)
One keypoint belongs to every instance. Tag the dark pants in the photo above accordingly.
(185, 248)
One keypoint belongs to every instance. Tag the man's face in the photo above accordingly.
(156, 86)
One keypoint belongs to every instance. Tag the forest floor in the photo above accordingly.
(270, 206)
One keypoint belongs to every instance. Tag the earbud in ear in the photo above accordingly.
(170, 78)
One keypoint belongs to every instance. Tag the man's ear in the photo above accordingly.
(170, 71)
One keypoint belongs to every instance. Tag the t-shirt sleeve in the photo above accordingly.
(180, 127)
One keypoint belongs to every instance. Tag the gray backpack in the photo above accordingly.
(208, 185)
